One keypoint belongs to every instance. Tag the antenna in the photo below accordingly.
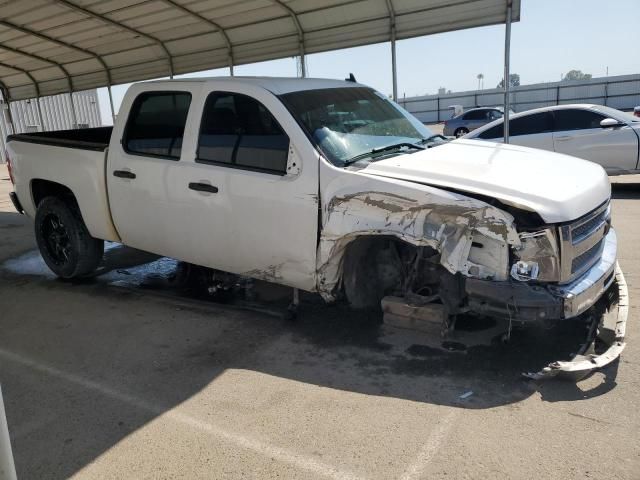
(351, 78)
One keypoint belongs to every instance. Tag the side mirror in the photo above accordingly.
(610, 122)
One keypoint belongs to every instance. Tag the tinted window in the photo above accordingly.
(239, 131)
(156, 124)
(527, 125)
(494, 132)
(531, 124)
(476, 115)
(577, 119)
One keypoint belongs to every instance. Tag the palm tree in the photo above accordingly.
(480, 78)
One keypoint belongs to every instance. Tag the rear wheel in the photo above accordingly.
(460, 132)
(64, 241)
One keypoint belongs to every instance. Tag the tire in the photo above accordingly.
(460, 132)
(64, 241)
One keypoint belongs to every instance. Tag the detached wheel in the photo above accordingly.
(461, 132)
(64, 241)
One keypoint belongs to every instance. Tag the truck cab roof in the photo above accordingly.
(276, 85)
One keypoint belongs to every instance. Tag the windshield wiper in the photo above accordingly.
(431, 138)
(387, 148)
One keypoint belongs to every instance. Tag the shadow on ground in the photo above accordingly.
(84, 365)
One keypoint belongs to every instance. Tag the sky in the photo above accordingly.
(551, 38)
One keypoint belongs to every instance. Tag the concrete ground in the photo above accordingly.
(109, 382)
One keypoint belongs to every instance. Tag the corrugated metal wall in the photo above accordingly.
(56, 115)
(621, 92)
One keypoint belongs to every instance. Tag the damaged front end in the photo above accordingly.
(446, 255)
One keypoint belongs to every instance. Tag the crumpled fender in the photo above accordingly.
(417, 214)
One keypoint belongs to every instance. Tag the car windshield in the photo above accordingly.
(617, 114)
(347, 123)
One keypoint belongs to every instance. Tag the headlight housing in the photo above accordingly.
(538, 257)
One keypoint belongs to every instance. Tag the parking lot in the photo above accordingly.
(102, 380)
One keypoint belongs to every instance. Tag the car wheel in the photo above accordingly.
(461, 132)
(64, 241)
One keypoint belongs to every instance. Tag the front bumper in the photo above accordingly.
(528, 302)
(580, 295)
(609, 330)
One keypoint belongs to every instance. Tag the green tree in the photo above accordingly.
(514, 81)
(576, 75)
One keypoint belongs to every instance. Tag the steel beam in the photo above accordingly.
(41, 59)
(102, 18)
(70, 46)
(4, 92)
(298, 25)
(113, 112)
(7, 94)
(213, 24)
(392, 32)
(507, 83)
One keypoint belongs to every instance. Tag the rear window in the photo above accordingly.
(476, 115)
(156, 124)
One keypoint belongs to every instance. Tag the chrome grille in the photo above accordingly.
(581, 242)
(587, 258)
(582, 231)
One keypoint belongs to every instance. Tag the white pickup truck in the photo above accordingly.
(325, 186)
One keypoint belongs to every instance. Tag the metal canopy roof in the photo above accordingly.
(53, 46)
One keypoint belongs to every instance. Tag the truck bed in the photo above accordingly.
(74, 159)
(83, 138)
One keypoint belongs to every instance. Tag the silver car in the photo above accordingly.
(470, 120)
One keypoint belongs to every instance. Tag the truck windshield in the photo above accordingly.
(348, 123)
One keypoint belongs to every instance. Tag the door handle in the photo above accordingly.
(124, 174)
(203, 187)
(564, 138)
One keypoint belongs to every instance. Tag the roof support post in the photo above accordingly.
(230, 64)
(303, 66)
(74, 119)
(394, 67)
(507, 83)
(298, 25)
(113, 112)
(39, 112)
(6, 107)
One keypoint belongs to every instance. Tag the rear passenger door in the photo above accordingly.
(578, 132)
(145, 167)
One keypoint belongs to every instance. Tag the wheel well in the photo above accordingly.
(46, 188)
(374, 266)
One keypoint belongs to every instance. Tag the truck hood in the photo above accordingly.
(558, 187)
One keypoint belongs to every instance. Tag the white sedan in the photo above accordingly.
(601, 134)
